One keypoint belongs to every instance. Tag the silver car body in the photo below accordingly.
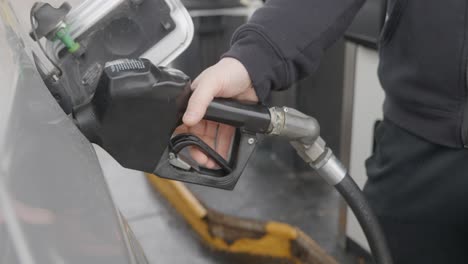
(55, 205)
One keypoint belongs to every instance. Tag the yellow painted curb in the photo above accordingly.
(240, 236)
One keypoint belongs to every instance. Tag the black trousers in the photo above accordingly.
(419, 192)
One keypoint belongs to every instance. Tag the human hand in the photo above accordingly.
(226, 79)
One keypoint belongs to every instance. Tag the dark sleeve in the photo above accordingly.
(285, 39)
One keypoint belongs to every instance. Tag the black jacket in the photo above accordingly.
(423, 57)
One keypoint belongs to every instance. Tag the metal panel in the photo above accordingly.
(368, 101)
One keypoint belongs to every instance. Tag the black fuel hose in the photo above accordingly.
(367, 219)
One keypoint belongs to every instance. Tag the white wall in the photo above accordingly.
(368, 100)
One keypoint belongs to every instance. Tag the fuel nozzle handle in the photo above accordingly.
(249, 116)
(136, 108)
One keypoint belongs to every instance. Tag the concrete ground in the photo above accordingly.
(270, 189)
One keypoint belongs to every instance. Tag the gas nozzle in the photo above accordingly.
(135, 110)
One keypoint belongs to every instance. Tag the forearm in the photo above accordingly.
(285, 40)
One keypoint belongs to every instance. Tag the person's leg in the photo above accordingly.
(419, 192)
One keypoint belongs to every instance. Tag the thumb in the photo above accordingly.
(202, 96)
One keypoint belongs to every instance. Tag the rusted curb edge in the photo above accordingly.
(241, 236)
